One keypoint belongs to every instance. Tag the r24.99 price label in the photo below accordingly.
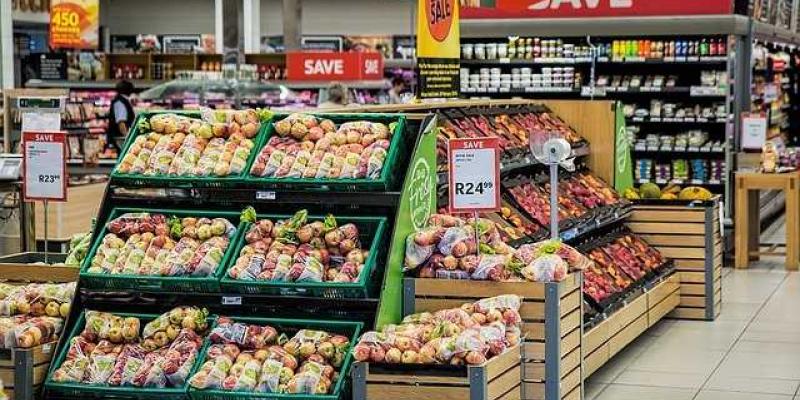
(474, 175)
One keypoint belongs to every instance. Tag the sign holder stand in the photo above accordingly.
(46, 227)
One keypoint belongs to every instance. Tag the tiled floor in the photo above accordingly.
(751, 352)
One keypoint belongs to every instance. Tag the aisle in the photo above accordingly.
(752, 352)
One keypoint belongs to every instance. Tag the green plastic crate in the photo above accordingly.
(384, 183)
(371, 232)
(289, 326)
(181, 181)
(88, 391)
(207, 284)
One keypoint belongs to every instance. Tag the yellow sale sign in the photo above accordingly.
(438, 34)
(74, 24)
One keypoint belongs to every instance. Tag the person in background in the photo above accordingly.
(121, 115)
(337, 96)
(398, 86)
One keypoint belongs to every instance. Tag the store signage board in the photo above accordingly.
(74, 24)
(597, 8)
(474, 168)
(327, 66)
(44, 175)
(754, 130)
(33, 121)
(438, 49)
(181, 44)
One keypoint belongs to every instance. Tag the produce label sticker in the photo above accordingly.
(44, 175)
(474, 166)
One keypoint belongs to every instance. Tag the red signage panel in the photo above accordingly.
(329, 66)
(597, 8)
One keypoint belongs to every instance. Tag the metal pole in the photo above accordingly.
(554, 201)
(46, 250)
(292, 24)
(477, 235)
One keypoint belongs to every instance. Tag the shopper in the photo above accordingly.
(120, 114)
(398, 86)
(337, 96)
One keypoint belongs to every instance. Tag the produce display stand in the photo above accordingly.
(551, 326)
(23, 370)
(609, 337)
(694, 245)
(267, 199)
(496, 379)
(70, 218)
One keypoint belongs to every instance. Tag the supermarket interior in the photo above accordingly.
(400, 199)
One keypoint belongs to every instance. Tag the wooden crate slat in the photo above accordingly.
(571, 302)
(532, 391)
(575, 394)
(666, 227)
(534, 350)
(39, 372)
(595, 337)
(625, 316)
(416, 380)
(640, 215)
(571, 322)
(627, 335)
(535, 371)
(571, 341)
(505, 382)
(675, 240)
(568, 285)
(688, 313)
(571, 381)
(693, 301)
(693, 289)
(660, 310)
(662, 290)
(533, 330)
(466, 289)
(431, 305)
(502, 363)
(37, 273)
(405, 392)
(682, 264)
(693, 277)
(683, 252)
(513, 394)
(595, 360)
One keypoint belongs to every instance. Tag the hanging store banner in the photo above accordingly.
(438, 48)
(330, 66)
(595, 8)
(74, 24)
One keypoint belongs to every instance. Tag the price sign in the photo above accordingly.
(754, 130)
(474, 174)
(44, 171)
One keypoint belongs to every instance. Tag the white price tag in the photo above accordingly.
(44, 171)
(474, 174)
(754, 130)
(231, 300)
(41, 122)
(267, 195)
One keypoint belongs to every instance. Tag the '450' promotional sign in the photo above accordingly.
(474, 167)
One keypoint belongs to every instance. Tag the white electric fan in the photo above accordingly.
(552, 149)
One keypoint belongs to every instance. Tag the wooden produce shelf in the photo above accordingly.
(552, 326)
(609, 337)
(695, 245)
(24, 370)
(18, 268)
(497, 379)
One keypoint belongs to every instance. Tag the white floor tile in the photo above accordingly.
(720, 395)
(636, 392)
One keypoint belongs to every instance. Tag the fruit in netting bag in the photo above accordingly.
(492, 267)
(420, 246)
(170, 323)
(246, 336)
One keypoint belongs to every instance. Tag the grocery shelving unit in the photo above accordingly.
(738, 32)
(268, 199)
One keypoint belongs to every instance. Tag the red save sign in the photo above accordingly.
(597, 8)
(44, 175)
(326, 66)
(474, 170)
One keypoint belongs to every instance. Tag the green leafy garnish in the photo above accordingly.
(249, 215)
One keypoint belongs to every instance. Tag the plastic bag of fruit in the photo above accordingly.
(420, 246)
(492, 267)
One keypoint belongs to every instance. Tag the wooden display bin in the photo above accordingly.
(24, 370)
(688, 233)
(609, 337)
(497, 379)
(550, 343)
